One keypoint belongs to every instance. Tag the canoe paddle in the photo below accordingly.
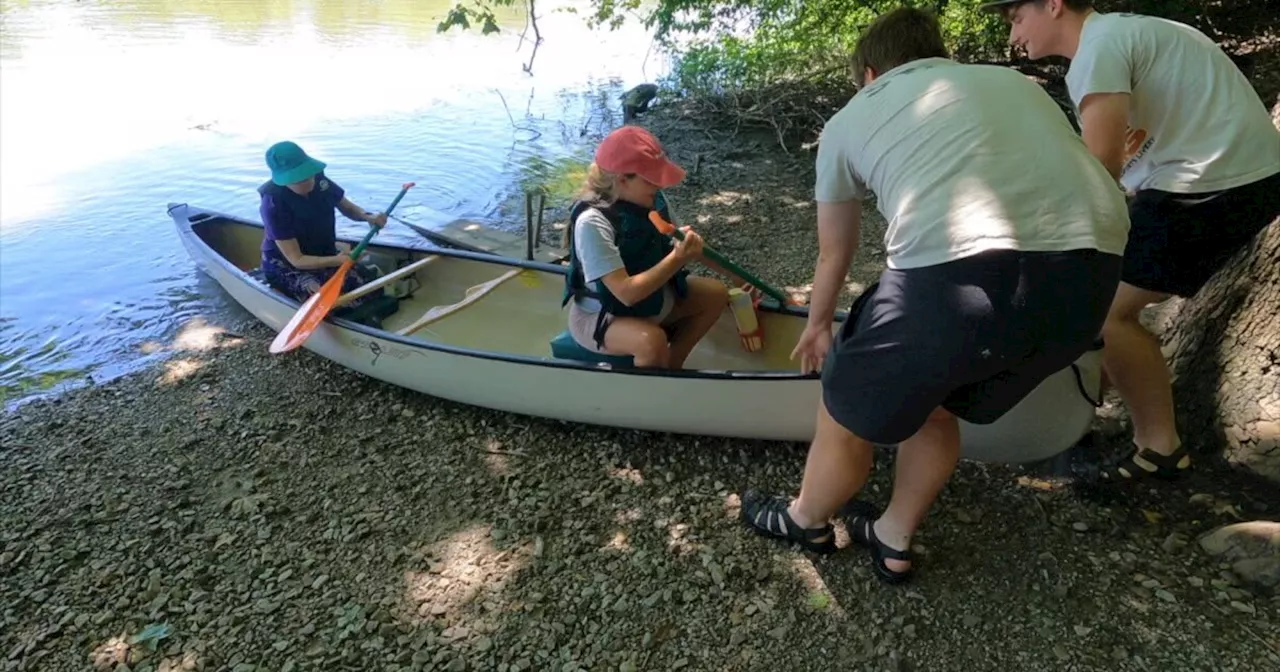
(318, 306)
(669, 229)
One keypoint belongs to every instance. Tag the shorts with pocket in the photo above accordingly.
(1178, 241)
(973, 336)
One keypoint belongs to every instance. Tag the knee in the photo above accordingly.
(718, 294)
(652, 349)
(711, 295)
(940, 415)
(1119, 320)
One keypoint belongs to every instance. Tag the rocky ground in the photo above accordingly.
(231, 510)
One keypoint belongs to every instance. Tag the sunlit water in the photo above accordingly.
(111, 110)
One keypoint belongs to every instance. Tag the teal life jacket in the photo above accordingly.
(641, 246)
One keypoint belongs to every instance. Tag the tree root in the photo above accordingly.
(794, 110)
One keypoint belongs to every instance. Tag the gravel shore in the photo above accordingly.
(282, 513)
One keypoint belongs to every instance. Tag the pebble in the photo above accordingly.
(117, 582)
(1242, 607)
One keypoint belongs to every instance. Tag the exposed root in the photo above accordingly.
(794, 111)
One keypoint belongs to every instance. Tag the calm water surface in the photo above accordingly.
(112, 109)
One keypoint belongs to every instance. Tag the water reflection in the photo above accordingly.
(112, 109)
(250, 21)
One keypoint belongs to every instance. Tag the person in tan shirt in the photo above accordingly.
(1004, 249)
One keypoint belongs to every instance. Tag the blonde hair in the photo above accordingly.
(597, 190)
(598, 186)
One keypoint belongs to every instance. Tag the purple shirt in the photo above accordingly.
(309, 219)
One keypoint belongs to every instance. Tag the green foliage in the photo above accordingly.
(720, 45)
(482, 13)
(802, 39)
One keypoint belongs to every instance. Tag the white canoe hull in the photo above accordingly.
(750, 406)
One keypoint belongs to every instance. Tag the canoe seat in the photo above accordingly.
(564, 347)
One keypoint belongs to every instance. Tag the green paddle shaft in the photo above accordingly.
(737, 270)
(373, 230)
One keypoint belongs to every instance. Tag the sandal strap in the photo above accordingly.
(885, 550)
(769, 514)
(860, 517)
(1140, 462)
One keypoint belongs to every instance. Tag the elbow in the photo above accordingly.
(629, 293)
(837, 258)
(627, 297)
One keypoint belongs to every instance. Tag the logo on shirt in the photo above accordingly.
(1137, 143)
(323, 185)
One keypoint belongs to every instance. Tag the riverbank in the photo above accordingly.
(281, 513)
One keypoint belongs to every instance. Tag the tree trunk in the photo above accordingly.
(1223, 348)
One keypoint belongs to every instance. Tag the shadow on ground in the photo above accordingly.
(282, 513)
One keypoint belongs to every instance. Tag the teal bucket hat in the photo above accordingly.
(289, 164)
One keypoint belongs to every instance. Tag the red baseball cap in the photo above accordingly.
(632, 149)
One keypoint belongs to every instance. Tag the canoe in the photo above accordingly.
(476, 328)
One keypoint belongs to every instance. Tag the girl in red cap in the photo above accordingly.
(627, 288)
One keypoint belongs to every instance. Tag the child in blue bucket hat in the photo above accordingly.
(300, 250)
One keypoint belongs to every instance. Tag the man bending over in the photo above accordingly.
(1004, 248)
(1178, 124)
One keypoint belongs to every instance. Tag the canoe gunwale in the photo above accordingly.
(186, 226)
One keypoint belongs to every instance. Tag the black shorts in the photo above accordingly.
(1178, 241)
(974, 336)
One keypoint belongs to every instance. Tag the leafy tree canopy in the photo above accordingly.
(721, 45)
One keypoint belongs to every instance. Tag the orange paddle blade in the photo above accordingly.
(667, 228)
(312, 312)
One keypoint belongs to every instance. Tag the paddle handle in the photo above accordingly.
(373, 230)
(670, 230)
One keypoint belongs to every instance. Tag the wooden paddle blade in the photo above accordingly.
(311, 313)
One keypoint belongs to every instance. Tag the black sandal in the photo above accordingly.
(767, 516)
(1143, 463)
(859, 518)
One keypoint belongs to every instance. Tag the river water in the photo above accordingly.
(112, 109)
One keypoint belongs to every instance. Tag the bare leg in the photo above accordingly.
(835, 470)
(1136, 367)
(645, 341)
(924, 464)
(695, 315)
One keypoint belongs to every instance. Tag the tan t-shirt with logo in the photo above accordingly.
(1195, 122)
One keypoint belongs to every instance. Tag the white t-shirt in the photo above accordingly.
(1196, 124)
(968, 158)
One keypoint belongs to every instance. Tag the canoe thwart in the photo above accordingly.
(385, 280)
(472, 295)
